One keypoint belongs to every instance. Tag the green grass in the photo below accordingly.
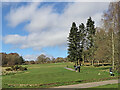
(108, 86)
(53, 73)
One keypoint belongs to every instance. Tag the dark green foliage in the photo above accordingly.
(73, 43)
(81, 42)
(90, 37)
(21, 60)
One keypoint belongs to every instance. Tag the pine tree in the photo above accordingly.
(81, 41)
(91, 38)
(77, 41)
(72, 43)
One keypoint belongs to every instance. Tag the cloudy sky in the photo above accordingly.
(42, 27)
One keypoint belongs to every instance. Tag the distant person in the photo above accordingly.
(78, 68)
(110, 69)
(111, 72)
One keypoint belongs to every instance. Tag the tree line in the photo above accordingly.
(12, 59)
(96, 44)
(43, 59)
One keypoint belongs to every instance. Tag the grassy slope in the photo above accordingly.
(52, 73)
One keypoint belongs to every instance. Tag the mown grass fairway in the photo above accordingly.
(52, 73)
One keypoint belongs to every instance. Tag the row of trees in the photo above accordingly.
(81, 41)
(111, 25)
(11, 59)
(42, 59)
(100, 44)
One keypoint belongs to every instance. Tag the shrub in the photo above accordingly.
(87, 65)
(16, 67)
(96, 65)
(25, 68)
(107, 64)
(22, 68)
(8, 69)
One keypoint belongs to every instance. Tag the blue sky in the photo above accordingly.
(31, 29)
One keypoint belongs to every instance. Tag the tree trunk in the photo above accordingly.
(92, 63)
(112, 51)
(75, 63)
(113, 62)
(102, 63)
(119, 39)
(98, 62)
(83, 60)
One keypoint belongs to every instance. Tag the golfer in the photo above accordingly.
(111, 71)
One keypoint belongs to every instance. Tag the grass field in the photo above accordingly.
(49, 75)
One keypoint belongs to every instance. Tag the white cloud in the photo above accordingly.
(41, 19)
(44, 39)
(47, 27)
(30, 57)
(21, 14)
(14, 39)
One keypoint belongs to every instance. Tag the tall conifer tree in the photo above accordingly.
(90, 38)
(81, 41)
(72, 43)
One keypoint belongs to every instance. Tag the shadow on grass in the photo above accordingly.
(79, 81)
(100, 68)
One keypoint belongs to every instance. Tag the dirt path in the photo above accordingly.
(69, 69)
(88, 85)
